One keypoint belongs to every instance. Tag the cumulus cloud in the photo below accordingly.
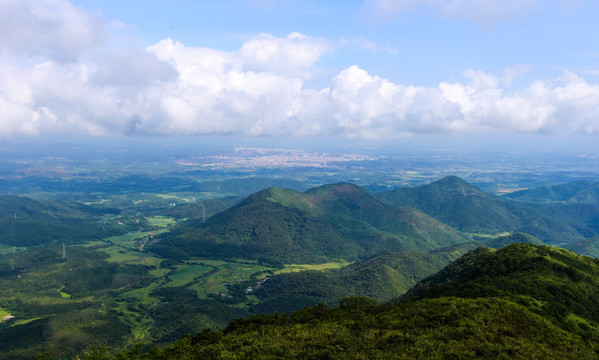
(53, 28)
(259, 89)
(291, 55)
(487, 13)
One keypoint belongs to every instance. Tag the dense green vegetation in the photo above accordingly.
(559, 285)
(577, 192)
(520, 302)
(27, 222)
(383, 277)
(459, 204)
(574, 203)
(57, 303)
(150, 267)
(588, 247)
(64, 306)
(277, 226)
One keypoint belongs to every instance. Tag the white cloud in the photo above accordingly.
(171, 88)
(53, 28)
(291, 55)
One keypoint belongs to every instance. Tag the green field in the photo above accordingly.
(186, 274)
(227, 273)
(121, 255)
(63, 294)
(319, 267)
(6, 249)
(128, 248)
(3, 313)
(161, 221)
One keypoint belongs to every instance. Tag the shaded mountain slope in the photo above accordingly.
(382, 277)
(340, 221)
(459, 204)
(28, 222)
(587, 247)
(577, 192)
(575, 203)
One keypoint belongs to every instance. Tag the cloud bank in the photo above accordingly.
(59, 77)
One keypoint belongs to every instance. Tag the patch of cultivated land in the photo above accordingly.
(320, 267)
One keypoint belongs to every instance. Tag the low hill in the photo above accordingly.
(577, 192)
(505, 240)
(459, 204)
(382, 277)
(340, 221)
(588, 247)
(575, 203)
(520, 302)
(28, 222)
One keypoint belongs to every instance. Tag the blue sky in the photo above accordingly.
(371, 69)
(420, 43)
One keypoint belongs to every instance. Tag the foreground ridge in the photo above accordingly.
(521, 302)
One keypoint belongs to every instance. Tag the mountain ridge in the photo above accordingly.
(338, 221)
(467, 208)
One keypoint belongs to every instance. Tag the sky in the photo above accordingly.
(369, 69)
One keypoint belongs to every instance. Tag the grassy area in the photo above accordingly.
(63, 294)
(26, 321)
(94, 244)
(168, 196)
(128, 248)
(320, 267)
(223, 273)
(47, 300)
(129, 240)
(489, 236)
(161, 221)
(186, 274)
(121, 255)
(3, 313)
(6, 249)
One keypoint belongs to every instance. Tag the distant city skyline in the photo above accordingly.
(370, 69)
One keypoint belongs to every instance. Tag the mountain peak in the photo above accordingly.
(454, 183)
(342, 187)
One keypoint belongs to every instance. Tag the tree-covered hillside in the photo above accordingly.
(459, 204)
(521, 302)
(575, 203)
(577, 192)
(341, 221)
(28, 222)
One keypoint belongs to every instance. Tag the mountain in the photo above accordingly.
(588, 247)
(505, 240)
(552, 282)
(577, 192)
(459, 204)
(521, 302)
(383, 277)
(29, 222)
(341, 221)
(575, 203)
